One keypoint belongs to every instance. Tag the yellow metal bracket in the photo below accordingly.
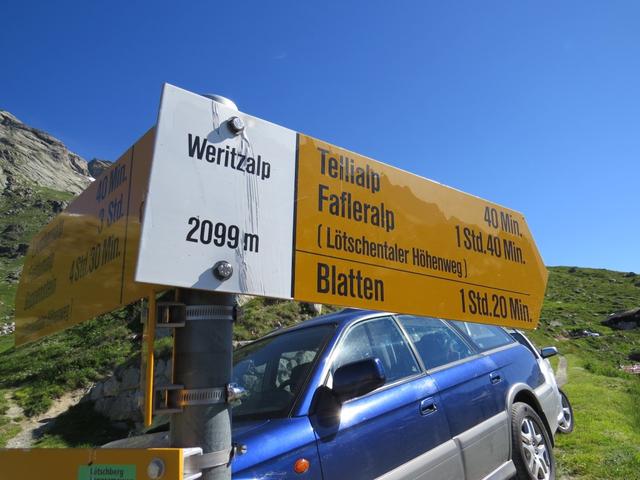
(148, 339)
(158, 315)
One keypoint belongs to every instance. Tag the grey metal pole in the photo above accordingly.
(203, 355)
(203, 363)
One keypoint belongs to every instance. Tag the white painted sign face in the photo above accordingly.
(216, 196)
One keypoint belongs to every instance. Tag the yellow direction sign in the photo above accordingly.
(293, 217)
(82, 263)
(373, 236)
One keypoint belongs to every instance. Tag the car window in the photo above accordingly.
(523, 341)
(436, 343)
(485, 337)
(379, 338)
(274, 369)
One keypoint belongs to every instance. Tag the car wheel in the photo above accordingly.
(531, 448)
(566, 424)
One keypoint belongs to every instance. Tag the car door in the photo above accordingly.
(486, 446)
(467, 383)
(390, 431)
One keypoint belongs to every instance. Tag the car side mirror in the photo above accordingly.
(358, 378)
(548, 352)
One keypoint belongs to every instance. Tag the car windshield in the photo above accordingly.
(273, 371)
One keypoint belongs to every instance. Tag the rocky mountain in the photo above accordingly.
(97, 166)
(29, 156)
(38, 177)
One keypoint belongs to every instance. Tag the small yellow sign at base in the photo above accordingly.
(90, 464)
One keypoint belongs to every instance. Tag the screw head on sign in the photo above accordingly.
(222, 270)
(155, 469)
(236, 125)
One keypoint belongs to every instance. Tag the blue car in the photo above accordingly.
(363, 395)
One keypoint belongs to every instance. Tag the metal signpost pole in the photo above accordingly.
(203, 352)
(203, 363)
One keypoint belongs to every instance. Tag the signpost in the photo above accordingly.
(213, 201)
(293, 216)
(299, 218)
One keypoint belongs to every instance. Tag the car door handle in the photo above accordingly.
(495, 377)
(428, 406)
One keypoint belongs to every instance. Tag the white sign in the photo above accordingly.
(215, 196)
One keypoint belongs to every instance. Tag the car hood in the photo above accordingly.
(162, 440)
(240, 429)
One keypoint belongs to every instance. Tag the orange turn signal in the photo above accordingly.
(301, 465)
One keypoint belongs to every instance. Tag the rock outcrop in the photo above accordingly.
(31, 156)
(118, 396)
(7, 328)
(628, 320)
(97, 166)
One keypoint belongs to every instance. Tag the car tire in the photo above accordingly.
(531, 449)
(566, 424)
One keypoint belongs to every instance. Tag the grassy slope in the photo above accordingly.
(580, 298)
(40, 372)
(606, 401)
(606, 441)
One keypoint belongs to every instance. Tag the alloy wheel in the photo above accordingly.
(567, 416)
(535, 449)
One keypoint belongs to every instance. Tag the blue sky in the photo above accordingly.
(534, 105)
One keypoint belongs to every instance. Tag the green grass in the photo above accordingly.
(6, 343)
(4, 403)
(606, 401)
(606, 441)
(8, 429)
(262, 315)
(581, 298)
(80, 427)
(42, 371)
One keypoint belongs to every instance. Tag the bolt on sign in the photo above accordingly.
(295, 217)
